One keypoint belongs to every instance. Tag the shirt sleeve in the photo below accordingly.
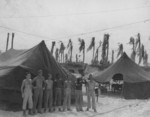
(44, 82)
(34, 79)
(22, 86)
(64, 84)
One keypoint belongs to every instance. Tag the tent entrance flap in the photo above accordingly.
(117, 83)
(118, 77)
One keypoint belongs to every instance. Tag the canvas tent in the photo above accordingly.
(136, 80)
(90, 69)
(13, 69)
(11, 53)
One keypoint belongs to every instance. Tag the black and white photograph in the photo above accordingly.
(74, 58)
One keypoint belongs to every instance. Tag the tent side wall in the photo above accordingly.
(139, 90)
(10, 99)
(10, 89)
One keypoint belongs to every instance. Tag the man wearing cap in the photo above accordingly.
(58, 92)
(91, 93)
(48, 94)
(78, 93)
(26, 90)
(38, 91)
(67, 94)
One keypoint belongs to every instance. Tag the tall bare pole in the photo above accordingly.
(12, 42)
(7, 41)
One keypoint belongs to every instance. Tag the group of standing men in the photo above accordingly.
(39, 91)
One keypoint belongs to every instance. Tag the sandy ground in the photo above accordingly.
(106, 107)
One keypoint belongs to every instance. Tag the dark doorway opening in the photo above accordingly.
(117, 84)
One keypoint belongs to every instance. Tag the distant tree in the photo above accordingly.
(105, 48)
(97, 52)
(138, 42)
(145, 58)
(82, 47)
(141, 53)
(57, 54)
(107, 45)
(61, 52)
(92, 45)
(66, 58)
(112, 58)
(138, 46)
(132, 42)
(70, 49)
(76, 58)
(52, 48)
(120, 50)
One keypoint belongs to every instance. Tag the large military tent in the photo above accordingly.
(14, 64)
(11, 53)
(136, 80)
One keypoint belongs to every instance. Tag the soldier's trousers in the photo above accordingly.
(48, 99)
(67, 98)
(58, 97)
(38, 98)
(91, 94)
(79, 99)
(27, 100)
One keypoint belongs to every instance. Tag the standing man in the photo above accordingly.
(91, 93)
(48, 94)
(67, 94)
(26, 90)
(97, 91)
(54, 92)
(58, 93)
(79, 95)
(38, 91)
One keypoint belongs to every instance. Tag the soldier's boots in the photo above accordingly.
(87, 109)
(59, 109)
(50, 110)
(46, 110)
(35, 111)
(30, 112)
(24, 113)
(54, 109)
(77, 109)
(69, 109)
(64, 109)
(40, 111)
(95, 110)
(81, 109)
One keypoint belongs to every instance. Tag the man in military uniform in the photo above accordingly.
(26, 90)
(38, 91)
(58, 92)
(91, 93)
(78, 93)
(48, 94)
(67, 94)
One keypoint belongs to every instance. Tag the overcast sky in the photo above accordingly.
(60, 19)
